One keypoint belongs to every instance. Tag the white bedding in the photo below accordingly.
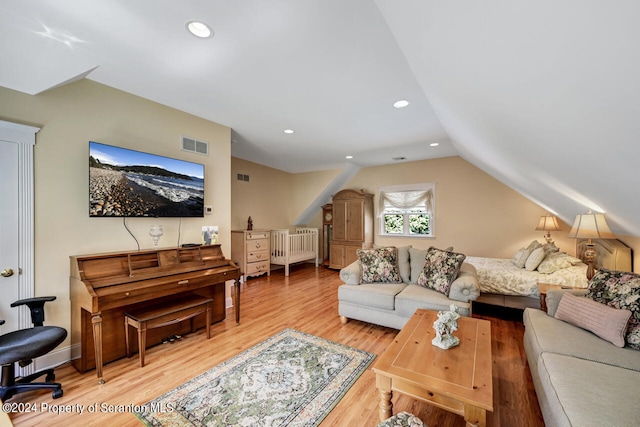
(502, 276)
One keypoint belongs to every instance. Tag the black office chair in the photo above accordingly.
(23, 346)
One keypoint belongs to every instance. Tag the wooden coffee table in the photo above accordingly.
(458, 379)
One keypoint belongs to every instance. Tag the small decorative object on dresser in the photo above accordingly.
(445, 326)
(249, 224)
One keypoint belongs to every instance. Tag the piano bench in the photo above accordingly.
(160, 315)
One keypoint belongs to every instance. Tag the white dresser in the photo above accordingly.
(250, 250)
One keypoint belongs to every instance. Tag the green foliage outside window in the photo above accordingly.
(419, 224)
(394, 224)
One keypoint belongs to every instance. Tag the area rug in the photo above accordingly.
(290, 379)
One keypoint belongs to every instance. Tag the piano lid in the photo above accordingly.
(122, 267)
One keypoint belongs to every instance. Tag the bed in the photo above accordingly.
(503, 283)
(289, 248)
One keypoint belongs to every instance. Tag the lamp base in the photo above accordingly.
(589, 256)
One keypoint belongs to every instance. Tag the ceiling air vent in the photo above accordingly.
(398, 159)
(195, 146)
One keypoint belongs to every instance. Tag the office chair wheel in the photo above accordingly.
(57, 393)
(51, 377)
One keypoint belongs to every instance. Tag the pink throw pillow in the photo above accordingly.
(606, 322)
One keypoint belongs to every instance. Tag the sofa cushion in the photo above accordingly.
(416, 260)
(414, 297)
(379, 265)
(581, 392)
(371, 295)
(606, 322)
(546, 334)
(619, 289)
(440, 269)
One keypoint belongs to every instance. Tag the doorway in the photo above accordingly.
(16, 222)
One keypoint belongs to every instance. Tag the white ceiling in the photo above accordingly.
(543, 95)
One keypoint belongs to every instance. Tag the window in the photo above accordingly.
(407, 211)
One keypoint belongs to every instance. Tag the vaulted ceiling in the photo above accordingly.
(543, 95)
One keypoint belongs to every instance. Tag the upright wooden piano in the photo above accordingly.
(104, 286)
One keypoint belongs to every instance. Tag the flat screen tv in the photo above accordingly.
(128, 183)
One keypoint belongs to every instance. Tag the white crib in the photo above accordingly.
(288, 248)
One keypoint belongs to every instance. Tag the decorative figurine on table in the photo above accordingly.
(249, 224)
(445, 326)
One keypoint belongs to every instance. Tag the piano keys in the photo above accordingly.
(104, 286)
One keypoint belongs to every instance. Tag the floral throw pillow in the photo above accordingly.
(619, 289)
(440, 269)
(379, 265)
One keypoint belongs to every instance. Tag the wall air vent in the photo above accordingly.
(243, 177)
(195, 146)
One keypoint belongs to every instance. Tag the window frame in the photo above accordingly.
(429, 186)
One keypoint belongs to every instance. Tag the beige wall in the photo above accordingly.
(265, 197)
(474, 212)
(71, 116)
(274, 199)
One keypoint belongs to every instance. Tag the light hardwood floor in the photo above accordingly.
(307, 301)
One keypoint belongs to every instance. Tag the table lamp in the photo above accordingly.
(548, 223)
(590, 226)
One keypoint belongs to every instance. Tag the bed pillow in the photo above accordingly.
(517, 257)
(379, 265)
(520, 259)
(553, 262)
(619, 289)
(440, 269)
(534, 260)
(606, 322)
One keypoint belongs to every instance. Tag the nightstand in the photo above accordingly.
(543, 288)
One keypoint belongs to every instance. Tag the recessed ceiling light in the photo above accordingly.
(348, 157)
(401, 104)
(199, 29)
(288, 131)
(434, 144)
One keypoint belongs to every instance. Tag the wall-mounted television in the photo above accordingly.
(129, 183)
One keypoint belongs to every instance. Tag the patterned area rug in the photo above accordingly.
(290, 379)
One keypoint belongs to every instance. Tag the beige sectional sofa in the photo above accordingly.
(580, 379)
(392, 304)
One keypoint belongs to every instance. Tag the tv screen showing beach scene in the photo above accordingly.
(129, 183)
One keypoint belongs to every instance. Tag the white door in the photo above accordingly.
(9, 268)
(16, 223)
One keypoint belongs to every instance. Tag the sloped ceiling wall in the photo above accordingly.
(542, 95)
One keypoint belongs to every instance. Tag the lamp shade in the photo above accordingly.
(548, 223)
(591, 226)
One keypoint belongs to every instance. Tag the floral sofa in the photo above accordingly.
(584, 353)
(385, 286)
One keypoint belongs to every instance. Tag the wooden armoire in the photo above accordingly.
(352, 226)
